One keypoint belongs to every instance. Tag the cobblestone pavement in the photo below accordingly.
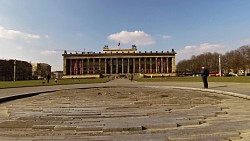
(240, 88)
(122, 110)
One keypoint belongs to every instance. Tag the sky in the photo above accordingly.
(38, 31)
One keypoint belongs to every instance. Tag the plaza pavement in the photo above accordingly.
(228, 88)
(124, 110)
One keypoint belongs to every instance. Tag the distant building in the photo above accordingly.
(40, 70)
(57, 74)
(119, 62)
(15, 69)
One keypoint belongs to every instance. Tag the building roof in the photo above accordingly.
(106, 49)
(119, 52)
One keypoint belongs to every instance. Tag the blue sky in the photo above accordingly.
(36, 30)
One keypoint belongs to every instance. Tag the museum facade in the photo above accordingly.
(118, 62)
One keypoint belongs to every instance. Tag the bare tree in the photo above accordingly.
(234, 60)
(209, 60)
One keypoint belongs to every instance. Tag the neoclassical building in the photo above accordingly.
(118, 62)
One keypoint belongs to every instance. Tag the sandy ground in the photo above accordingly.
(126, 113)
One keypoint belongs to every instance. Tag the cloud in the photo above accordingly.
(19, 48)
(48, 52)
(245, 42)
(32, 51)
(46, 36)
(136, 37)
(191, 50)
(166, 37)
(14, 34)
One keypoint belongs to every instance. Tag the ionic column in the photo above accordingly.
(128, 65)
(122, 66)
(161, 64)
(139, 65)
(167, 65)
(111, 65)
(105, 66)
(99, 65)
(93, 65)
(145, 65)
(133, 65)
(156, 65)
(150, 65)
(116, 63)
(64, 66)
(173, 65)
(88, 66)
(76, 63)
(82, 66)
(70, 65)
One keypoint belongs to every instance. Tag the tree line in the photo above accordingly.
(231, 61)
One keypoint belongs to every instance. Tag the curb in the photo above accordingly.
(23, 95)
(206, 90)
(30, 94)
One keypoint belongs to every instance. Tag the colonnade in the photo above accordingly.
(147, 65)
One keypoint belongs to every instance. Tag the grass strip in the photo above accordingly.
(30, 83)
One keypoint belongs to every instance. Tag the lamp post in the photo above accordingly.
(15, 70)
(219, 66)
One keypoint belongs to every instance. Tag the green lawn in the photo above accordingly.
(30, 83)
(238, 79)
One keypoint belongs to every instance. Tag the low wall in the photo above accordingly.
(81, 76)
(158, 75)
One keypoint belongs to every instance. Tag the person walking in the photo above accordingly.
(204, 74)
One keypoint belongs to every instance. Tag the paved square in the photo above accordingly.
(126, 113)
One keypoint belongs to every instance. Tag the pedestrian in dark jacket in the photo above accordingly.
(131, 77)
(48, 78)
(204, 74)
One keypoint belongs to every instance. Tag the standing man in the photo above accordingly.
(204, 74)
(48, 78)
(131, 77)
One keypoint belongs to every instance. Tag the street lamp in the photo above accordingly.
(219, 66)
(15, 70)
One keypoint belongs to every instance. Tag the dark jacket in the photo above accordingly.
(205, 72)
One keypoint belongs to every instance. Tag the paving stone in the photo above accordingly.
(220, 113)
(89, 138)
(52, 138)
(196, 117)
(43, 126)
(9, 138)
(16, 124)
(89, 128)
(159, 125)
(187, 122)
(121, 127)
(4, 112)
(142, 137)
(64, 127)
